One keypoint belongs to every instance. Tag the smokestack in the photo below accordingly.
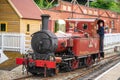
(45, 19)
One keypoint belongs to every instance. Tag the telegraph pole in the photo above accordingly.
(88, 3)
(73, 2)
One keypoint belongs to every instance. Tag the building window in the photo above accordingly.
(69, 8)
(28, 27)
(3, 27)
(64, 7)
(112, 24)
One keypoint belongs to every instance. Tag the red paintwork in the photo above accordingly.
(44, 63)
(85, 46)
(19, 61)
(38, 63)
(60, 42)
(79, 25)
(80, 44)
(67, 39)
(89, 29)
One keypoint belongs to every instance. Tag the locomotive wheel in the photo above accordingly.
(69, 66)
(89, 61)
(75, 64)
(57, 69)
(33, 73)
(50, 72)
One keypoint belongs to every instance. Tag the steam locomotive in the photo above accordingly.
(76, 46)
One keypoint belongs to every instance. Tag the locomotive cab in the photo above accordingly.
(84, 25)
(87, 27)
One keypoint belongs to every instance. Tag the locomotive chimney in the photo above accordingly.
(45, 19)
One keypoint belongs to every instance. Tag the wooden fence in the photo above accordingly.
(111, 40)
(12, 42)
(21, 42)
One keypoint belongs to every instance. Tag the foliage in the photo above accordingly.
(46, 3)
(106, 4)
(83, 2)
(103, 4)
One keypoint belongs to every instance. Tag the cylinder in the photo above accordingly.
(45, 19)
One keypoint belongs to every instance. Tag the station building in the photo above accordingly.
(23, 16)
(65, 10)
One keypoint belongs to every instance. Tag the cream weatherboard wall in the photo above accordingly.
(34, 25)
(9, 17)
(13, 22)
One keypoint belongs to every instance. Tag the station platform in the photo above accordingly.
(110, 74)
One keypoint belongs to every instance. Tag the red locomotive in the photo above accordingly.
(76, 47)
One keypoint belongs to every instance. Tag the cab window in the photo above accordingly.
(85, 26)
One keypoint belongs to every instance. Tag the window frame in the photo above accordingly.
(5, 26)
(83, 26)
(28, 28)
(112, 24)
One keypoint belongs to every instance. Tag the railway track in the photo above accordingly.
(25, 77)
(79, 74)
(101, 67)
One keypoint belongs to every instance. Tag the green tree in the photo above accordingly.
(118, 3)
(46, 3)
(115, 7)
(106, 4)
(101, 4)
(40, 3)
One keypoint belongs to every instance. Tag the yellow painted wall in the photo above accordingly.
(9, 16)
(14, 22)
(34, 25)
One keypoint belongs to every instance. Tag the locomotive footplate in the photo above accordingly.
(38, 66)
(37, 63)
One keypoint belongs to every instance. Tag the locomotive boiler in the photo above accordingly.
(66, 50)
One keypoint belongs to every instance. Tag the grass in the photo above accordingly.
(11, 62)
